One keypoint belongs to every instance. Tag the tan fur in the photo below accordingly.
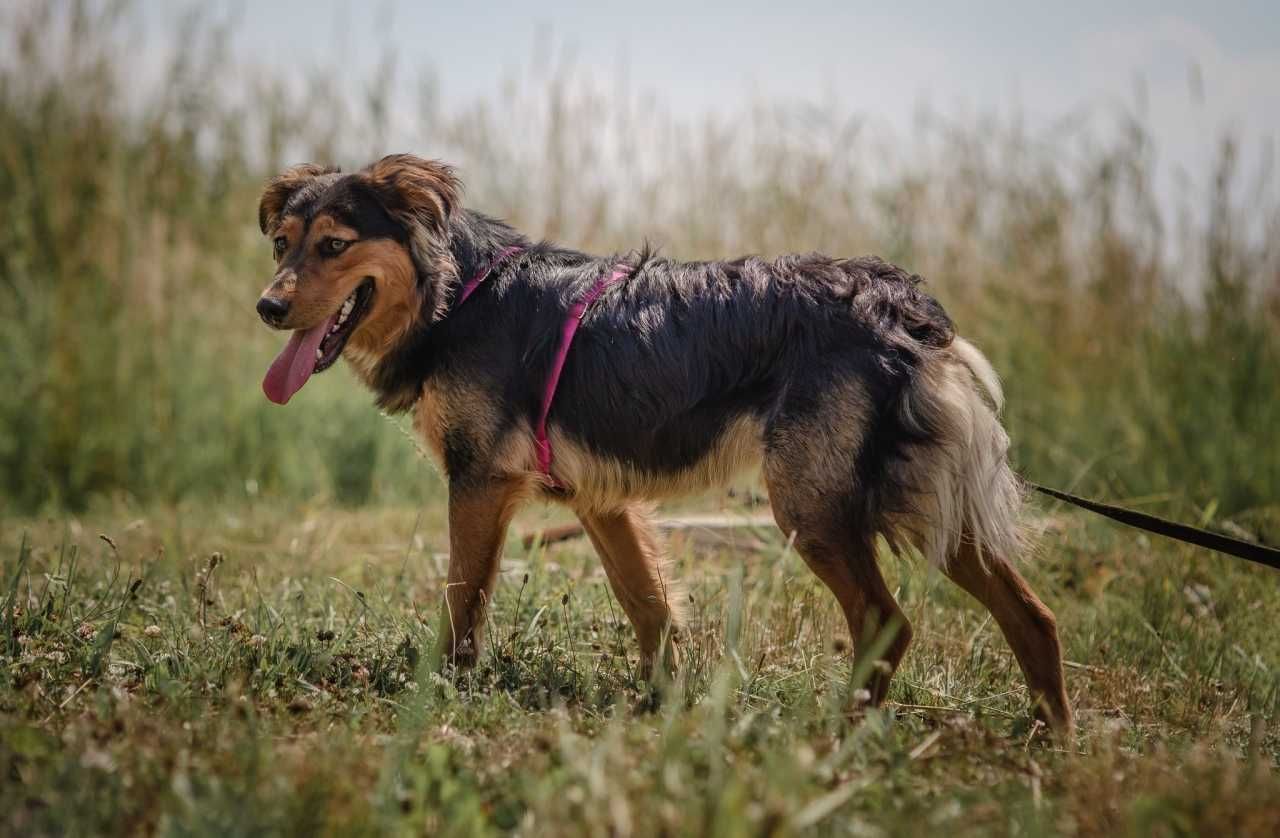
(280, 187)
(808, 467)
(963, 480)
(394, 311)
(633, 559)
(291, 227)
(445, 405)
(422, 194)
(478, 520)
(968, 354)
(605, 484)
(318, 286)
(963, 515)
(602, 492)
(820, 452)
(1028, 625)
(431, 421)
(850, 571)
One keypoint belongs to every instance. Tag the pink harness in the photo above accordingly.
(576, 312)
(474, 282)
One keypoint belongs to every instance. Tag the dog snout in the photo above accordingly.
(272, 310)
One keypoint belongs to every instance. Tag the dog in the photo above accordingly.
(537, 371)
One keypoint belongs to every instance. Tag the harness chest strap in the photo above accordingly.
(567, 331)
(542, 445)
(1254, 552)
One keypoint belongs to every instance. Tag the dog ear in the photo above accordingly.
(422, 193)
(281, 187)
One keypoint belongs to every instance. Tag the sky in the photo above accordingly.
(1196, 68)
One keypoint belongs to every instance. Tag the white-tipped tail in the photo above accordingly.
(961, 485)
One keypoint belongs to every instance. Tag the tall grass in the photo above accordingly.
(1139, 343)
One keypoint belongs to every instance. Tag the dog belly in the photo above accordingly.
(601, 482)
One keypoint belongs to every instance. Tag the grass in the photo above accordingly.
(286, 686)
(266, 671)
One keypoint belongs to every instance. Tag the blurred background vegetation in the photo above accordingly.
(1139, 342)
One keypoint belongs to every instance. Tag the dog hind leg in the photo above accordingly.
(967, 512)
(1028, 626)
(845, 560)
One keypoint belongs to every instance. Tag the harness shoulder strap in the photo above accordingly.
(574, 317)
(481, 275)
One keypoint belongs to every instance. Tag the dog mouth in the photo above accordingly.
(353, 309)
(316, 349)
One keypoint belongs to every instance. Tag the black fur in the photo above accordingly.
(350, 200)
(665, 359)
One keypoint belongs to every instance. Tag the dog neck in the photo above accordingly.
(475, 241)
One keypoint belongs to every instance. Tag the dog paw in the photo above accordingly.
(463, 655)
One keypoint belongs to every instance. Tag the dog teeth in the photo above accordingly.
(345, 312)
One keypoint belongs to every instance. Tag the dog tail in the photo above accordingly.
(957, 482)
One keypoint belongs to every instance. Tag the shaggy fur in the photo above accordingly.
(840, 376)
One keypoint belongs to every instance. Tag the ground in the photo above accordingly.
(266, 670)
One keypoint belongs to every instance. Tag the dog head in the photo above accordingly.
(360, 260)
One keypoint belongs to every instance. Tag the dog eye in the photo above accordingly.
(280, 243)
(336, 245)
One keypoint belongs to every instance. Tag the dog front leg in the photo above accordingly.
(478, 519)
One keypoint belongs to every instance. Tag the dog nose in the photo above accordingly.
(272, 310)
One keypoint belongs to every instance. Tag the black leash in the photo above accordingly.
(1248, 550)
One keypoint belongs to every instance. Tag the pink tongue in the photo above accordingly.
(295, 363)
